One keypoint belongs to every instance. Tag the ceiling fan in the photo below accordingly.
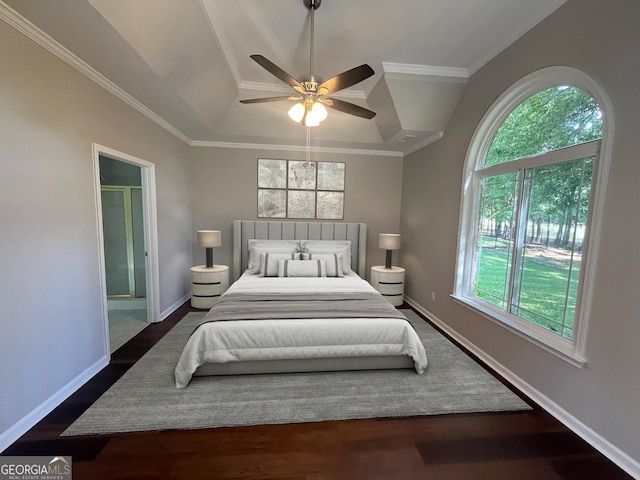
(312, 92)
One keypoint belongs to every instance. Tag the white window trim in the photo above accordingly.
(572, 351)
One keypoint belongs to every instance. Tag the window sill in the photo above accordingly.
(560, 347)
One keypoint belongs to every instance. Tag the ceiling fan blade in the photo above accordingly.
(346, 79)
(270, 99)
(349, 108)
(275, 70)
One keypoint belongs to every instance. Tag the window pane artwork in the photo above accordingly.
(330, 205)
(301, 204)
(272, 174)
(272, 203)
(300, 189)
(331, 176)
(302, 175)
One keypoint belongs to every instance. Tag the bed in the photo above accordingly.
(299, 303)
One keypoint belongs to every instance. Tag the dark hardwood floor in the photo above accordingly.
(513, 445)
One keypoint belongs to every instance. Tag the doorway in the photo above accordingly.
(126, 214)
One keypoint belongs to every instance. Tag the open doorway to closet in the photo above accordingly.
(127, 220)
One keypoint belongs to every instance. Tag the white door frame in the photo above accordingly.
(148, 175)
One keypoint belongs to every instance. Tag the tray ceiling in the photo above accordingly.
(185, 63)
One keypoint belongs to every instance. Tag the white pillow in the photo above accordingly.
(302, 268)
(342, 247)
(269, 262)
(333, 261)
(258, 246)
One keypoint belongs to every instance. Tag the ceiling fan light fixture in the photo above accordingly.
(319, 111)
(310, 111)
(310, 121)
(297, 112)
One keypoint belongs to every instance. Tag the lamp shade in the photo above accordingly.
(209, 238)
(389, 241)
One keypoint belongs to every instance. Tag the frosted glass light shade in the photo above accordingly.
(309, 114)
(209, 238)
(296, 112)
(318, 111)
(389, 241)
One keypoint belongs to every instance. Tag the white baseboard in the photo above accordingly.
(613, 453)
(174, 307)
(21, 427)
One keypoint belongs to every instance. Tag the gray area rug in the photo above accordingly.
(145, 398)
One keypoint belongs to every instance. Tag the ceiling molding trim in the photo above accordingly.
(296, 148)
(217, 31)
(24, 26)
(519, 33)
(427, 141)
(407, 68)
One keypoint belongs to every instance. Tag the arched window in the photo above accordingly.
(530, 211)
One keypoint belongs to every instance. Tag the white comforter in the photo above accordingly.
(242, 340)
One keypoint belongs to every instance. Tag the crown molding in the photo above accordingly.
(24, 26)
(423, 143)
(410, 69)
(217, 32)
(296, 148)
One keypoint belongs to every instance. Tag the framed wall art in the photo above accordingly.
(300, 189)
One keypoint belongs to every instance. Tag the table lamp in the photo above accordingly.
(209, 239)
(389, 242)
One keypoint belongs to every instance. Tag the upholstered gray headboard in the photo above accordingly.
(243, 230)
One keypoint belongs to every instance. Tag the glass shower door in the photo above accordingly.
(124, 249)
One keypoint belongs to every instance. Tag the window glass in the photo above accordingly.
(543, 286)
(494, 248)
(554, 118)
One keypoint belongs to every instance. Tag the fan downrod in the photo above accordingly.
(315, 4)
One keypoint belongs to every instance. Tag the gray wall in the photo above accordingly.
(602, 39)
(223, 184)
(51, 328)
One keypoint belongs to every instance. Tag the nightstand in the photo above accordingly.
(389, 282)
(207, 284)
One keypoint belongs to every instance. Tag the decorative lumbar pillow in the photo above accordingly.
(333, 261)
(342, 247)
(269, 262)
(259, 246)
(302, 268)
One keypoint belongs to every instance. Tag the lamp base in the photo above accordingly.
(387, 263)
(209, 257)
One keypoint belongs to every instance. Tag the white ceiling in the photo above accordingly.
(185, 63)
